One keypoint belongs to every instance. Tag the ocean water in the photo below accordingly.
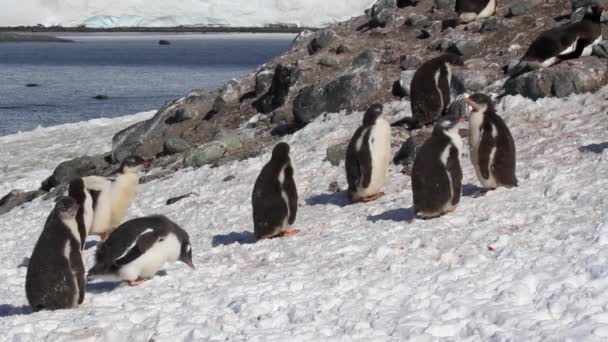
(135, 72)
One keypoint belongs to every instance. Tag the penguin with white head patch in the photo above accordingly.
(470, 10)
(430, 90)
(55, 274)
(368, 156)
(436, 173)
(114, 195)
(492, 148)
(139, 248)
(275, 197)
(562, 43)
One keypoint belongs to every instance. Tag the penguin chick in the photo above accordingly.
(436, 173)
(55, 273)
(139, 248)
(368, 157)
(275, 197)
(491, 145)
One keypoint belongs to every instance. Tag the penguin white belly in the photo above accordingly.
(123, 193)
(380, 148)
(587, 51)
(488, 11)
(285, 200)
(149, 263)
(103, 213)
(474, 141)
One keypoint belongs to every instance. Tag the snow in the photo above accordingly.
(161, 13)
(522, 264)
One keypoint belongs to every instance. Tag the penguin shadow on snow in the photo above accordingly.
(103, 286)
(594, 148)
(90, 244)
(470, 190)
(244, 238)
(397, 215)
(7, 310)
(339, 199)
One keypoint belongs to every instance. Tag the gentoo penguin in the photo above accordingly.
(77, 189)
(139, 248)
(562, 43)
(113, 196)
(491, 145)
(436, 174)
(430, 90)
(368, 157)
(55, 273)
(275, 197)
(469, 10)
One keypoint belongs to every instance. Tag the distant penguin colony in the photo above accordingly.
(368, 157)
(136, 250)
(275, 197)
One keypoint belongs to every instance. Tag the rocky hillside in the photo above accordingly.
(345, 67)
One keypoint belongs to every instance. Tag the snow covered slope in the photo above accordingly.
(526, 264)
(162, 13)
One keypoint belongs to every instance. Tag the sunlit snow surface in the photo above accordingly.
(526, 264)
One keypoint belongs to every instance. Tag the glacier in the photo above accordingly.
(160, 13)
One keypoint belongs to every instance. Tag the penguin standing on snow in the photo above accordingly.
(368, 157)
(430, 90)
(562, 43)
(139, 248)
(436, 174)
(114, 196)
(55, 273)
(275, 197)
(470, 10)
(491, 145)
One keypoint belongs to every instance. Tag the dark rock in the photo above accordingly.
(489, 25)
(344, 93)
(458, 107)
(16, 198)
(281, 116)
(343, 49)
(303, 36)
(334, 187)
(522, 7)
(601, 49)
(282, 80)
(407, 153)
(175, 145)
(474, 26)
(417, 20)
(423, 34)
(164, 42)
(470, 80)
(258, 120)
(32, 85)
(584, 3)
(588, 75)
(410, 62)
(367, 60)
(71, 169)
(328, 61)
(229, 178)
(445, 4)
(174, 200)
(230, 94)
(205, 155)
(263, 80)
(466, 48)
(284, 129)
(385, 4)
(101, 97)
(323, 40)
(407, 3)
(57, 191)
(337, 153)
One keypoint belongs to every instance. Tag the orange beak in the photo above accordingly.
(472, 104)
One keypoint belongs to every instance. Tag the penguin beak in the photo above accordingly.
(472, 104)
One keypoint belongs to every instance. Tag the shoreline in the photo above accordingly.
(178, 29)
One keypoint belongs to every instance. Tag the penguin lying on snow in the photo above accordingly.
(55, 273)
(113, 196)
(368, 157)
(491, 145)
(139, 248)
(436, 174)
(469, 10)
(562, 43)
(275, 197)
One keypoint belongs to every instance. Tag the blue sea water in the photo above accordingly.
(135, 72)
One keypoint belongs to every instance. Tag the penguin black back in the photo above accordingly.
(77, 191)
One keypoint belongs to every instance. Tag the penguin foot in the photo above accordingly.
(287, 233)
(136, 282)
(371, 198)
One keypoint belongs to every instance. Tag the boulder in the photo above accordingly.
(470, 80)
(337, 153)
(489, 25)
(322, 40)
(230, 139)
(229, 94)
(345, 93)
(465, 48)
(458, 107)
(74, 168)
(175, 145)
(281, 116)
(410, 62)
(523, 7)
(584, 3)
(445, 4)
(601, 49)
(587, 75)
(367, 60)
(206, 154)
(417, 20)
(328, 61)
(407, 153)
(16, 198)
(274, 98)
(263, 80)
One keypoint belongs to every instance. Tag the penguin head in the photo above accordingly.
(185, 254)
(479, 103)
(66, 207)
(76, 189)
(453, 59)
(372, 113)
(449, 124)
(133, 164)
(280, 152)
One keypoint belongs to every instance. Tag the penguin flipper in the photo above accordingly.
(455, 171)
(144, 242)
(485, 151)
(77, 266)
(289, 186)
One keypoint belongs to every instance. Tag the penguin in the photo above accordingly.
(430, 90)
(368, 156)
(562, 43)
(436, 173)
(275, 197)
(139, 248)
(77, 189)
(55, 274)
(492, 148)
(113, 196)
(470, 10)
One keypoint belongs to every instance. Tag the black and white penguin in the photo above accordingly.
(430, 90)
(436, 173)
(77, 189)
(55, 274)
(275, 197)
(491, 145)
(114, 195)
(470, 10)
(139, 248)
(368, 157)
(562, 43)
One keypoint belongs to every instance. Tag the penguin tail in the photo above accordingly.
(409, 122)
